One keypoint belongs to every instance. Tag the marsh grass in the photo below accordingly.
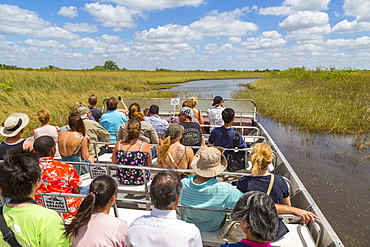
(321, 100)
(58, 91)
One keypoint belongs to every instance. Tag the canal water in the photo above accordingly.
(336, 173)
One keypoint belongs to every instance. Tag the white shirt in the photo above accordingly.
(215, 116)
(162, 228)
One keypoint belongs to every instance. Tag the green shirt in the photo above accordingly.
(35, 226)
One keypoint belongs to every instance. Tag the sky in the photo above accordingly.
(186, 34)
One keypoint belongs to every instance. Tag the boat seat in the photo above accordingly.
(129, 215)
(132, 188)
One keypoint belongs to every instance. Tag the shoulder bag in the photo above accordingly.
(236, 158)
(8, 234)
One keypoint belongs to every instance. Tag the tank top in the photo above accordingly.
(4, 147)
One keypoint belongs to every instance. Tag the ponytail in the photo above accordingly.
(261, 157)
(165, 147)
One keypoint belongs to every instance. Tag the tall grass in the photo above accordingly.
(321, 100)
(58, 91)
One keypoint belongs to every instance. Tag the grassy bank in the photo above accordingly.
(325, 101)
(58, 91)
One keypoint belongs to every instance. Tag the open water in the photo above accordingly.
(336, 173)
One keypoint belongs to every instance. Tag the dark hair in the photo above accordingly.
(258, 210)
(154, 109)
(133, 129)
(43, 145)
(228, 115)
(134, 112)
(112, 103)
(93, 100)
(76, 123)
(101, 191)
(165, 188)
(18, 173)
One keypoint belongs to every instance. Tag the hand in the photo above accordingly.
(305, 215)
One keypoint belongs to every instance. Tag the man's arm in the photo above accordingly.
(305, 215)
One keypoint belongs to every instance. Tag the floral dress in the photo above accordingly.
(134, 158)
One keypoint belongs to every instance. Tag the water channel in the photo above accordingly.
(336, 173)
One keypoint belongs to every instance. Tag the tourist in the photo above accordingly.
(159, 124)
(56, 176)
(95, 112)
(197, 113)
(162, 227)
(192, 135)
(176, 119)
(45, 129)
(92, 225)
(82, 104)
(12, 129)
(258, 218)
(112, 119)
(215, 113)
(132, 151)
(32, 224)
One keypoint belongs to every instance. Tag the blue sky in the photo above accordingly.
(186, 34)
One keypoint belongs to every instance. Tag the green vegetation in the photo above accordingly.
(58, 90)
(321, 100)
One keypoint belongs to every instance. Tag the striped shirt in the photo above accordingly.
(210, 194)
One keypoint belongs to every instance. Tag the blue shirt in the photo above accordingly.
(224, 137)
(111, 121)
(210, 194)
(159, 124)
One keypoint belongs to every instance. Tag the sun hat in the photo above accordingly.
(83, 110)
(187, 111)
(174, 130)
(217, 100)
(209, 161)
(13, 124)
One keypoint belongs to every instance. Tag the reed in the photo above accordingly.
(58, 91)
(320, 100)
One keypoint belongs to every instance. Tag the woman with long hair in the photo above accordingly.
(92, 225)
(132, 151)
(197, 113)
(261, 178)
(171, 152)
(74, 143)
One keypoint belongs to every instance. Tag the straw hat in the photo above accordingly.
(209, 161)
(13, 124)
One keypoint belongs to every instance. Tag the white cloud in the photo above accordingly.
(167, 34)
(309, 33)
(109, 38)
(289, 7)
(6, 45)
(224, 23)
(360, 9)
(234, 40)
(267, 40)
(117, 17)
(2, 36)
(165, 49)
(70, 12)
(41, 43)
(158, 4)
(85, 43)
(346, 26)
(17, 21)
(80, 27)
(304, 19)
(358, 44)
(55, 33)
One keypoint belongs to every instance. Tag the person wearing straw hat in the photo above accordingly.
(204, 191)
(12, 128)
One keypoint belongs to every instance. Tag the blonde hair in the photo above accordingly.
(261, 157)
(193, 102)
(165, 147)
(43, 116)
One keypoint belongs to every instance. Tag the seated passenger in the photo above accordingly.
(176, 119)
(12, 128)
(154, 119)
(95, 112)
(56, 176)
(162, 227)
(261, 157)
(32, 224)
(46, 129)
(258, 219)
(132, 151)
(74, 143)
(92, 225)
(205, 191)
(215, 113)
(192, 135)
(197, 113)
(171, 152)
(224, 136)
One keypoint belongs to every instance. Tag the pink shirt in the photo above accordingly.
(256, 244)
(102, 230)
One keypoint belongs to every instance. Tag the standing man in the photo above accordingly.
(214, 114)
(32, 224)
(96, 112)
(112, 119)
(161, 227)
(159, 124)
(192, 135)
(12, 128)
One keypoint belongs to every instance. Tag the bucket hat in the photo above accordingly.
(13, 124)
(187, 111)
(83, 110)
(209, 161)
